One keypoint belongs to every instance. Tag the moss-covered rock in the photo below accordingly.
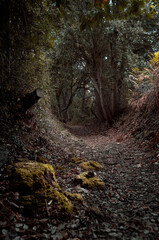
(37, 185)
(77, 160)
(75, 197)
(91, 165)
(89, 180)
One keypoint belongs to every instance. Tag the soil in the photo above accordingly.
(128, 207)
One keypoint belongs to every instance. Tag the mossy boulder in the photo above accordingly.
(37, 185)
(91, 165)
(89, 180)
(77, 160)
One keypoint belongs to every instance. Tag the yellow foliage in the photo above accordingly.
(155, 58)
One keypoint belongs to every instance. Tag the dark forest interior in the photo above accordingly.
(79, 128)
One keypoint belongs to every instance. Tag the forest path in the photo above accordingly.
(130, 203)
(126, 209)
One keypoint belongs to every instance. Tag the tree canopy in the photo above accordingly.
(103, 54)
(80, 51)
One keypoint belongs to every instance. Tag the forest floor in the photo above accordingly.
(128, 207)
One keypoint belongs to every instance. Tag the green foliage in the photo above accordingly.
(26, 29)
(114, 47)
(99, 11)
(26, 37)
(34, 32)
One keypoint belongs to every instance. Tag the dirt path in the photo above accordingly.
(128, 207)
(130, 202)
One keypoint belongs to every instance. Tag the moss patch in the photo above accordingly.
(91, 165)
(37, 185)
(75, 197)
(77, 160)
(89, 180)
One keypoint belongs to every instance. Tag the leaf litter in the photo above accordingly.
(128, 207)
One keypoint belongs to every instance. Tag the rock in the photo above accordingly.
(89, 180)
(36, 183)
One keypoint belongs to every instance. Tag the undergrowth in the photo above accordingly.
(145, 97)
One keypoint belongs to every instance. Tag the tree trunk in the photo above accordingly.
(104, 105)
(98, 108)
(30, 99)
(5, 43)
(95, 64)
(99, 86)
(83, 100)
(115, 100)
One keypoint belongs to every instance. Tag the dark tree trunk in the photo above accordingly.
(83, 105)
(30, 99)
(98, 108)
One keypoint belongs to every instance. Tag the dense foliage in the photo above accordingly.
(80, 53)
(96, 61)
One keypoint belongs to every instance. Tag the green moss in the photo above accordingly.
(90, 181)
(91, 165)
(77, 160)
(60, 202)
(32, 175)
(37, 185)
(75, 197)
